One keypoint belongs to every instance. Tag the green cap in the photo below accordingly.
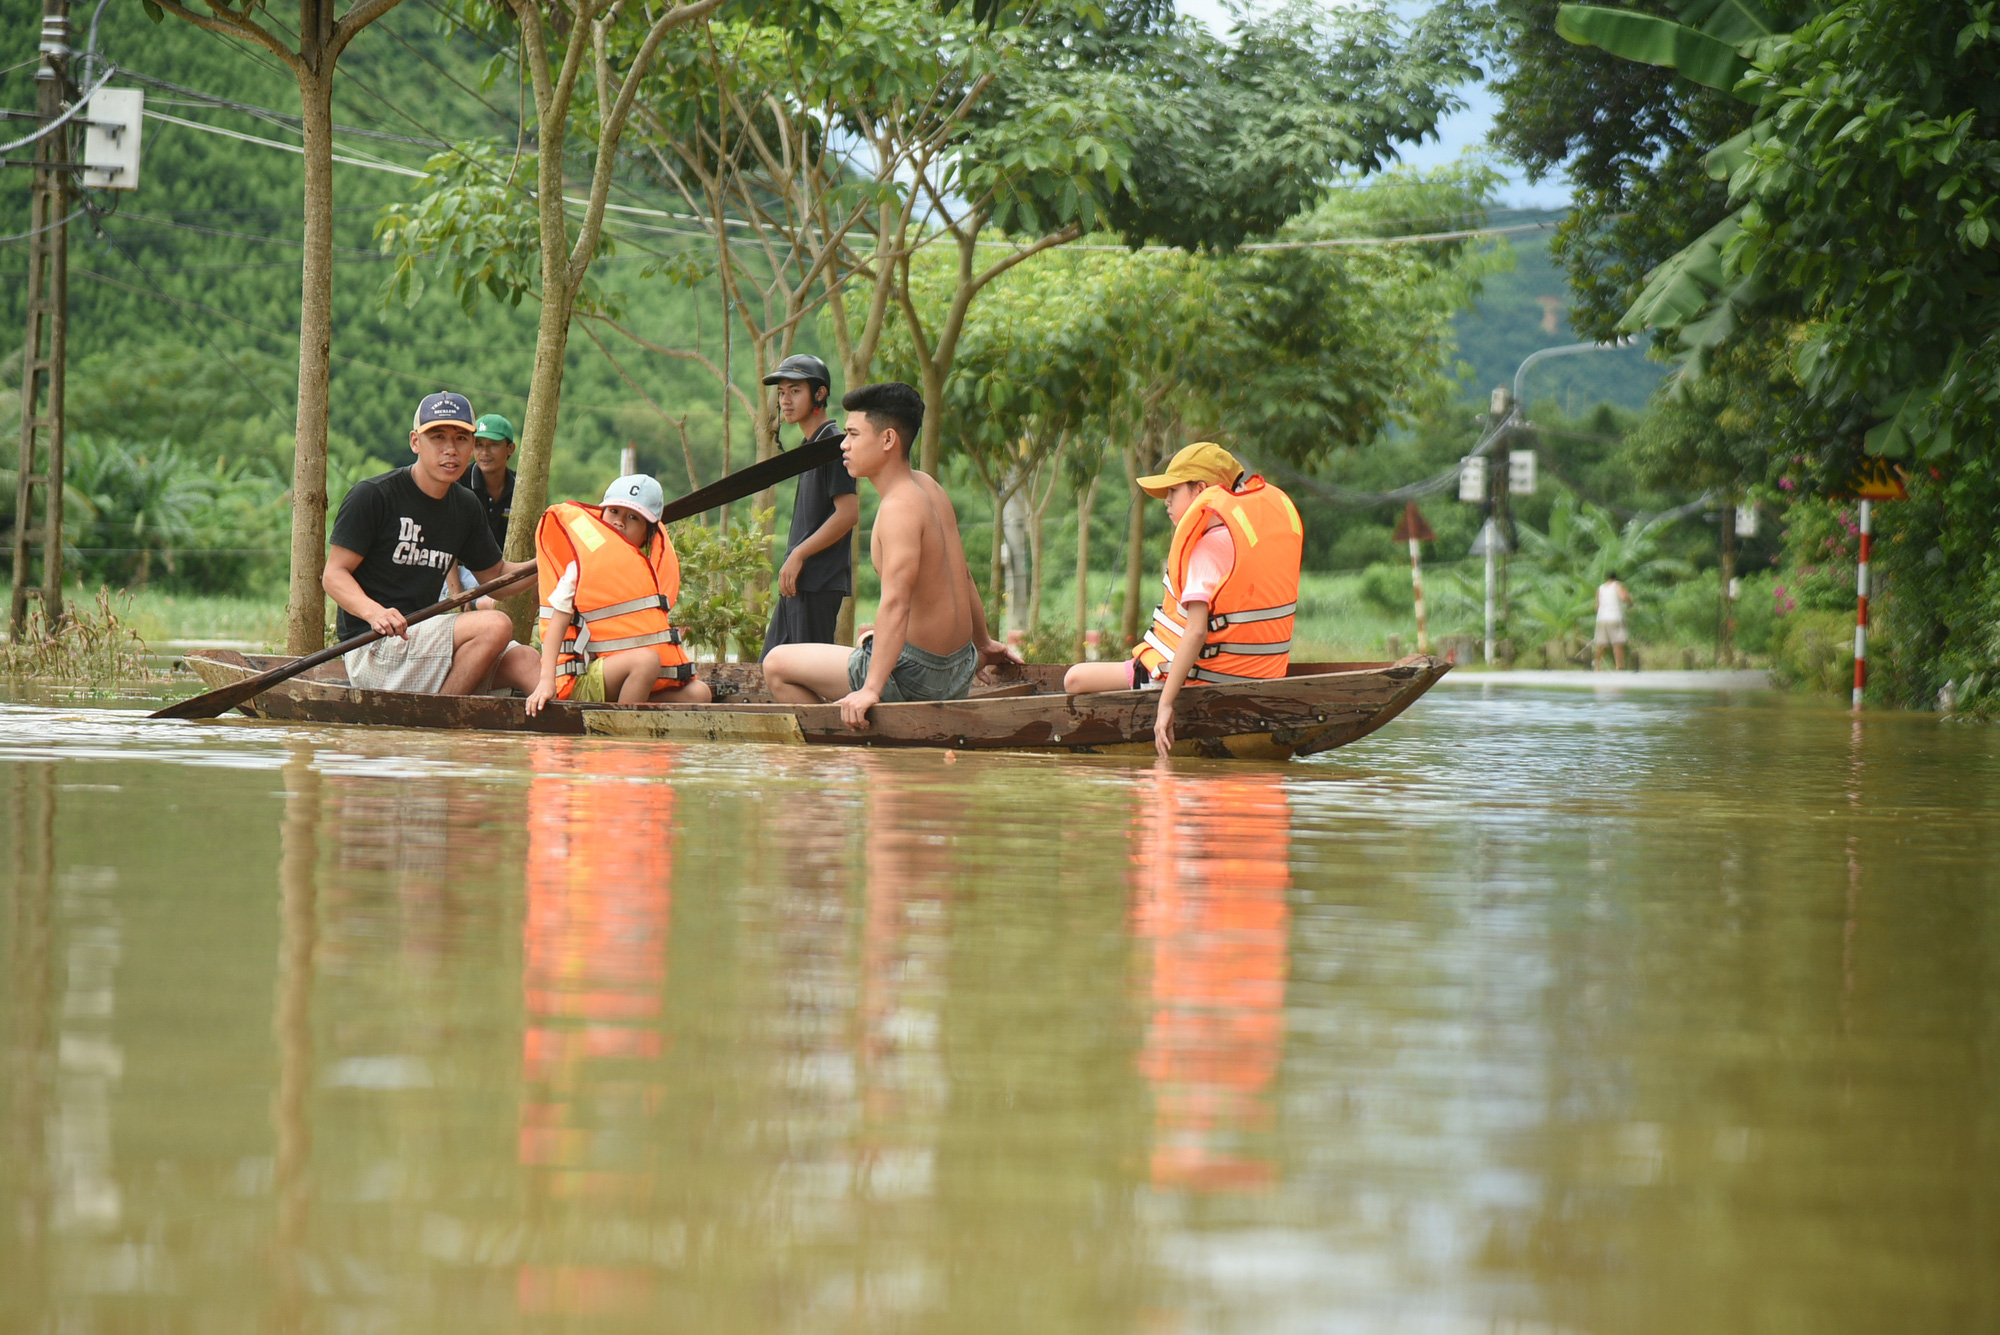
(493, 427)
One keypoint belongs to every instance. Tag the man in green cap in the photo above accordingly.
(491, 480)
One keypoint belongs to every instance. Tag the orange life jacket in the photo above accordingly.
(1250, 617)
(624, 597)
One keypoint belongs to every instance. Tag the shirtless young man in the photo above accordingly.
(930, 630)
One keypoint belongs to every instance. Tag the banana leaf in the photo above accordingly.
(1655, 41)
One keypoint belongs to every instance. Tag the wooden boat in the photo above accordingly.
(1317, 707)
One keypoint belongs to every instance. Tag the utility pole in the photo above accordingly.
(40, 461)
(1497, 515)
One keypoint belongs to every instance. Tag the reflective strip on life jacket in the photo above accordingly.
(631, 605)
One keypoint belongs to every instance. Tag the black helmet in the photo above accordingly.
(802, 366)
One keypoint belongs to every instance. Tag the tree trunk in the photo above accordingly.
(1034, 570)
(1085, 501)
(843, 629)
(1725, 630)
(933, 432)
(1020, 570)
(1135, 551)
(305, 610)
(996, 588)
(538, 425)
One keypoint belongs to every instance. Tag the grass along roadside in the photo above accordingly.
(162, 618)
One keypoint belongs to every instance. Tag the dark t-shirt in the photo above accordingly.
(498, 509)
(829, 571)
(409, 542)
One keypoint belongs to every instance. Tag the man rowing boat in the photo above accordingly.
(395, 539)
(930, 633)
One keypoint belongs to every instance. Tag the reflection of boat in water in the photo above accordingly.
(1317, 707)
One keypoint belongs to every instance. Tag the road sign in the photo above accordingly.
(1491, 540)
(111, 139)
(1876, 479)
(1411, 527)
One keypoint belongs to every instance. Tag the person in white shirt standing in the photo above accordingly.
(1612, 600)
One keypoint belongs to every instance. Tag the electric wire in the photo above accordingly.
(50, 127)
(46, 227)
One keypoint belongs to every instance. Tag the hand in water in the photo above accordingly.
(1163, 730)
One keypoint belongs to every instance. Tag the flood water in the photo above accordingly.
(1538, 1012)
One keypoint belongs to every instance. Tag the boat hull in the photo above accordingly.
(1319, 707)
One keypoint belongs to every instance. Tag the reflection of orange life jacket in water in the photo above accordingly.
(594, 958)
(624, 596)
(1212, 865)
(1250, 617)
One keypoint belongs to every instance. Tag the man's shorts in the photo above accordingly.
(419, 662)
(918, 674)
(1609, 633)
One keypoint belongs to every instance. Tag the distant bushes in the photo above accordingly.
(155, 515)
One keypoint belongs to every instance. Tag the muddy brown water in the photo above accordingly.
(1537, 1012)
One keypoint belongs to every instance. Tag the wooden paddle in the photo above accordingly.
(741, 483)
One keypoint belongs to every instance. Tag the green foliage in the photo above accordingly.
(1872, 207)
(1233, 139)
(1814, 651)
(1713, 431)
(720, 598)
(1555, 579)
(1388, 587)
(140, 513)
(1631, 137)
(478, 225)
(1293, 353)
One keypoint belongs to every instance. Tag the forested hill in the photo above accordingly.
(184, 299)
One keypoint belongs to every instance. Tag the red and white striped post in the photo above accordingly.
(1861, 610)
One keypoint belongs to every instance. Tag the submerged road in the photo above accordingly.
(1542, 1010)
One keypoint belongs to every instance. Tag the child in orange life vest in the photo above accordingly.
(1173, 650)
(628, 675)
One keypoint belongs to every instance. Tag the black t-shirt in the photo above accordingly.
(498, 509)
(829, 571)
(409, 542)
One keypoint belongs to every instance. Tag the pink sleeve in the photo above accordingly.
(1213, 557)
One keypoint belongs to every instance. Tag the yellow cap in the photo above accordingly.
(1202, 461)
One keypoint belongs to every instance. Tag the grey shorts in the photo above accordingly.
(1609, 633)
(918, 674)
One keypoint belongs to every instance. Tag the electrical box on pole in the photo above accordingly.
(1472, 480)
(1521, 472)
(111, 139)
